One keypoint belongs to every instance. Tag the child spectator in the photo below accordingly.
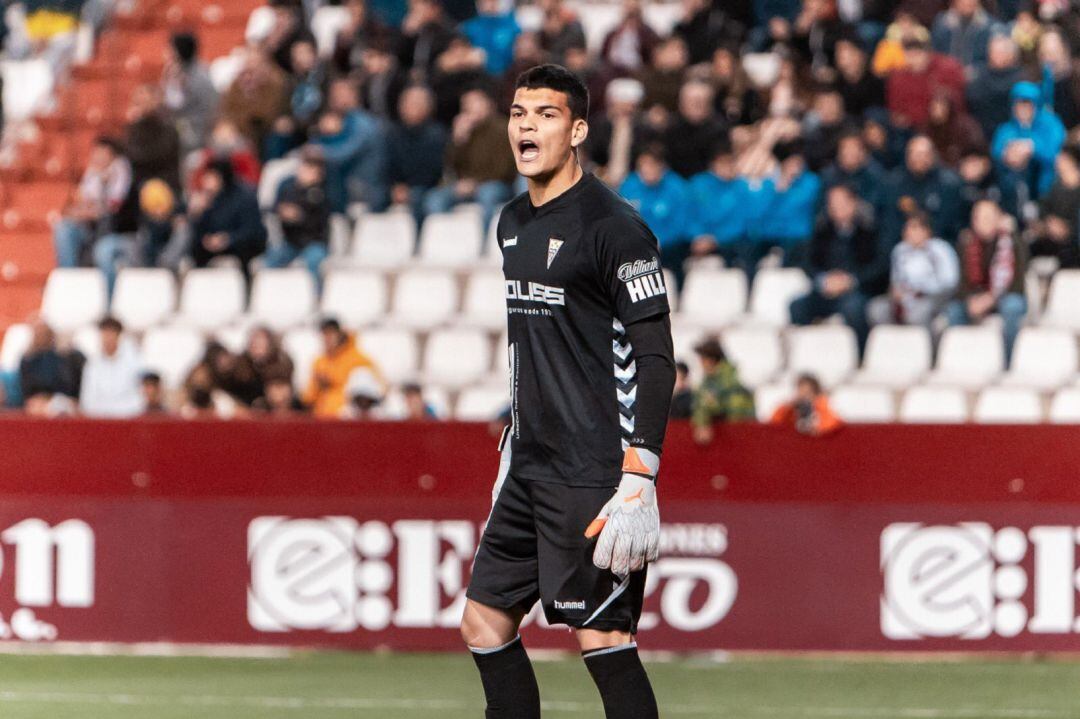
(153, 395)
(720, 397)
(278, 398)
(993, 262)
(417, 408)
(924, 276)
(304, 212)
(810, 412)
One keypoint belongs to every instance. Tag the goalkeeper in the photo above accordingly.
(574, 519)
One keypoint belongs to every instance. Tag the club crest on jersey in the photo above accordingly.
(553, 249)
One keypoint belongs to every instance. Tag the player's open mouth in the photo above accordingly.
(528, 150)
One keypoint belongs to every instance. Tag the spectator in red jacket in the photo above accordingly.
(925, 74)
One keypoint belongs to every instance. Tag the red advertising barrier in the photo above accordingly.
(361, 535)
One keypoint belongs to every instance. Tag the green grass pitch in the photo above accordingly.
(409, 686)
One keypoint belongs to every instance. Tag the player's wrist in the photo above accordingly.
(640, 462)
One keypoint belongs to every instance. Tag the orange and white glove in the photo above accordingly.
(629, 524)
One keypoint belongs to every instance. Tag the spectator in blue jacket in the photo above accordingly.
(718, 214)
(1024, 148)
(923, 184)
(662, 198)
(494, 31)
(354, 145)
(964, 31)
(784, 205)
(417, 146)
(847, 264)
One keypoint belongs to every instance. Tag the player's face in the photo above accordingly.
(543, 133)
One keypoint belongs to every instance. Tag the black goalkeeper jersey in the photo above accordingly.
(578, 270)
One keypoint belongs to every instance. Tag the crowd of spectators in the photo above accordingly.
(912, 156)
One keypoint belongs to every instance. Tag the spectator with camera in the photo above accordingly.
(809, 412)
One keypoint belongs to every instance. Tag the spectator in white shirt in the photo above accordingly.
(924, 277)
(111, 381)
(102, 192)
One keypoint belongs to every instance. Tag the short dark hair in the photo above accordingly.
(330, 323)
(186, 46)
(110, 323)
(150, 378)
(812, 380)
(558, 78)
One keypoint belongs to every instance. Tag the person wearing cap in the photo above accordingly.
(365, 392)
(1024, 147)
(720, 397)
(304, 211)
(326, 390)
(910, 89)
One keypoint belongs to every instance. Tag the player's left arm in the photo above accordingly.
(629, 524)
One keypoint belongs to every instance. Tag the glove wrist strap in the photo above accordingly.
(642, 462)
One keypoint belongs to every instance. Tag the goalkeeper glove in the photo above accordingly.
(629, 524)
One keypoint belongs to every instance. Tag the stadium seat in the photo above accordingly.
(713, 298)
(87, 339)
(772, 294)
(969, 357)
(233, 338)
(357, 298)
(327, 22)
(858, 404)
(485, 300)
(934, 405)
(1044, 358)
(768, 397)
(896, 356)
(282, 298)
(395, 352)
(829, 352)
(384, 239)
(492, 255)
(340, 235)
(1062, 301)
(273, 174)
(424, 298)
(482, 403)
(303, 345)
(1065, 406)
(172, 352)
(143, 297)
(450, 239)
(1008, 405)
(454, 358)
(211, 297)
(755, 351)
(17, 340)
(73, 297)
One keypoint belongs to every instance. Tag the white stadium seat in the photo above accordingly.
(713, 298)
(327, 22)
(303, 345)
(233, 338)
(969, 357)
(282, 298)
(768, 397)
(1008, 405)
(755, 351)
(1065, 406)
(482, 403)
(17, 340)
(384, 239)
(1063, 300)
(172, 352)
(857, 404)
(454, 358)
(143, 297)
(672, 295)
(1043, 358)
(357, 298)
(896, 356)
(450, 239)
(829, 352)
(934, 405)
(395, 352)
(492, 255)
(211, 297)
(73, 297)
(485, 300)
(273, 174)
(772, 294)
(424, 298)
(87, 339)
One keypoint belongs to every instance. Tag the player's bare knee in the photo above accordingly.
(592, 639)
(486, 627)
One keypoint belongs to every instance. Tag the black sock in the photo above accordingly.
(624, 686)
(509, 682)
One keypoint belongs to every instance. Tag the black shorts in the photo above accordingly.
(534, 547)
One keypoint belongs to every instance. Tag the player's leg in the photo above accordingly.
(603, 608)
(613, 662)
(502, 589)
